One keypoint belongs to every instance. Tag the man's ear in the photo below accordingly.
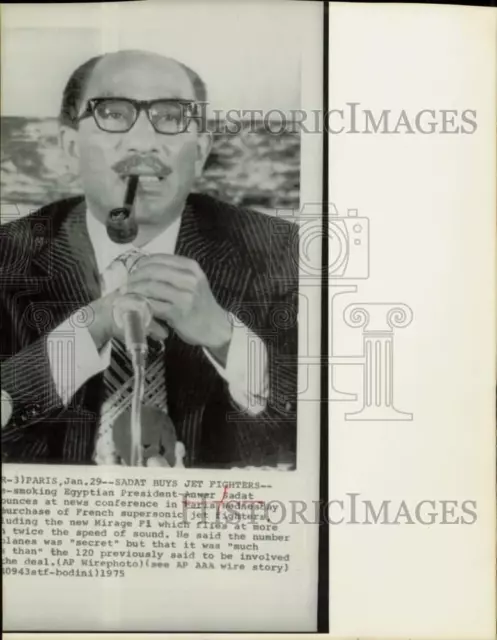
(68, 138)
(204, 146)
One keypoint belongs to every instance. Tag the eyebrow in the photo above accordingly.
(107, 94)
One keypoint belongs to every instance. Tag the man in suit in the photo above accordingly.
(221, 281)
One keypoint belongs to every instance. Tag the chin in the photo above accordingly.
(152, 212)
(150, 218)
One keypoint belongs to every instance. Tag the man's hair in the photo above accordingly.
(77, 83)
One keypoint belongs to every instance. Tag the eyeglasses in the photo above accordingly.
(119, 115)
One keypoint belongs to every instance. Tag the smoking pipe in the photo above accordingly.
(121, 222)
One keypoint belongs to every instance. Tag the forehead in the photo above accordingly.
(140, 76)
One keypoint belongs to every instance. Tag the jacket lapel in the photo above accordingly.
(191, 378)
(68, 267)
(204, 239)
(67, 275)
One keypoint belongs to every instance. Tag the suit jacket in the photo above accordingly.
(48, 270)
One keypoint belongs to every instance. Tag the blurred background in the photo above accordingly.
(248, 54)
(252, 168)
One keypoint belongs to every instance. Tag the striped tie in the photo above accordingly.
(119, 376)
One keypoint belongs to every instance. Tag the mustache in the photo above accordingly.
(139, 163)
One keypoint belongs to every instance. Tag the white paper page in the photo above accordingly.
(413, 322)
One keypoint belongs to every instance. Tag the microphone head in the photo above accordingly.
(121, 225)
(132, 303)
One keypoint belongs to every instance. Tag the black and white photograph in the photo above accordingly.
(154, 313)
(149, 301)
(248, 311)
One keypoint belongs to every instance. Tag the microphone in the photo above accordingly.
(132, 314)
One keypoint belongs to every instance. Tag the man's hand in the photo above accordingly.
(179, 294)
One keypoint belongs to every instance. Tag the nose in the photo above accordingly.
(142, 137)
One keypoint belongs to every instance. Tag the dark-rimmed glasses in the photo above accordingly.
(118, 115)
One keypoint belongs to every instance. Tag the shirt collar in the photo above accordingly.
(106, 251)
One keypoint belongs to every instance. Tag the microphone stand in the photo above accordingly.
(138, 359)
(132, 314)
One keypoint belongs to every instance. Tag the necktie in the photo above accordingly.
(158, 434)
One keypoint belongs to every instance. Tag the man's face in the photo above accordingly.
(102, 157)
